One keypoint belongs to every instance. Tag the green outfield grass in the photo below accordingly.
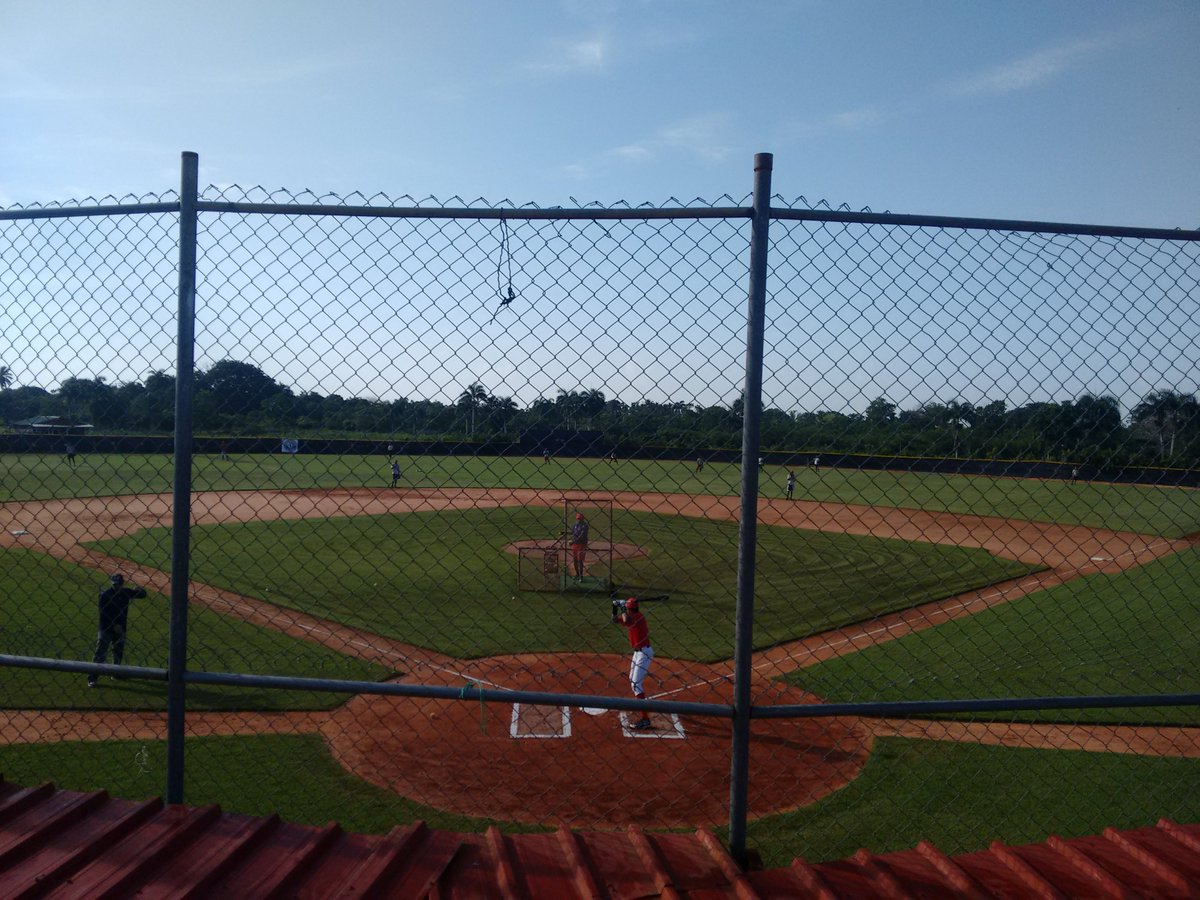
(959, 796)
(1172, 512)
(964, 796)
(252, 775)
(48, 608)
(442, 580)
(1130, 633)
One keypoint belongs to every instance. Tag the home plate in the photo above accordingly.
(540, 721)
(594, 710)
(19, 532)
(664, 727)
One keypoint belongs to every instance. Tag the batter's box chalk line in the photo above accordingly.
(540, 721)
(663, 727)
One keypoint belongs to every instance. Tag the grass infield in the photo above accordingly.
(443, 581)
(1129, 633)
(959, 796)
(48, 608)
(1170, 512)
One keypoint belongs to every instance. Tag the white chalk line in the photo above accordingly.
(387, 652)
(704, 682)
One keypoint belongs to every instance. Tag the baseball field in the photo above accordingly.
(870, 585)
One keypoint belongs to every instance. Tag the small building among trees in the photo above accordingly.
(48, 425)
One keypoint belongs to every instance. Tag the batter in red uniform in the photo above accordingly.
(643, 653)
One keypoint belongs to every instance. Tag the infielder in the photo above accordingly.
(114, 612)
(631, 617)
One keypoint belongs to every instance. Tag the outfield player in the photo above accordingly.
(114, 613)
(791, 483)
(643, 653)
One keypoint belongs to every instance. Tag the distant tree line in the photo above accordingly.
(237, 398)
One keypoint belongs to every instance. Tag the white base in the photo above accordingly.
(542, 718)
(665, 727)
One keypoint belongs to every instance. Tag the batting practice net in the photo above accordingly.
(561, 563)
(910, 506)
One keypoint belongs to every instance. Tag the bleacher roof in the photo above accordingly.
(71, 844)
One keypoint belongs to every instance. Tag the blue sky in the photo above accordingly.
(1063, 110)
(1055, 110)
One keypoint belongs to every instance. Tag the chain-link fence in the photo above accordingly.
(939, 582)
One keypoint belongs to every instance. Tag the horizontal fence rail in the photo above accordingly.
(475, 693)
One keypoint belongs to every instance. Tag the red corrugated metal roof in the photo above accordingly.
(67, 844)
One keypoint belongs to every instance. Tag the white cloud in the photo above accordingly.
(1016, 75)
(847, 121)
(1031, 70)
(855, 119)
(632, 152)
(563, 57)
(702, 136)
(587, 54)
(37, 84)
(34, 90)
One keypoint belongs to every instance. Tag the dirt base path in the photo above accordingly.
(567, 766)
(1157, 740)
(42, 726)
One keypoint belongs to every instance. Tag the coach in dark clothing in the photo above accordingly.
(114, 611)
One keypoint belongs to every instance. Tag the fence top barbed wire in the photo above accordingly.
(782, 207)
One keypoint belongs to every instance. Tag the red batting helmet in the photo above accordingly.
(631, 603)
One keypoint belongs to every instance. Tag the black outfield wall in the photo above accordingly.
(593, 444)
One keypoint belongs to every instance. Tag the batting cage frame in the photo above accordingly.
(556, 565)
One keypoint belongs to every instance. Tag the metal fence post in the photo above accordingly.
(739, 768)
(182, 508)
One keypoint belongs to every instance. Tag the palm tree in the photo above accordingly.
(1166, 413)
(472, 398)
(500, 411)
(6, 378)
(592, 404)
(568, 407)
(959, 415)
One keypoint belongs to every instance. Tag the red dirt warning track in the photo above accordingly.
(450, 754)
